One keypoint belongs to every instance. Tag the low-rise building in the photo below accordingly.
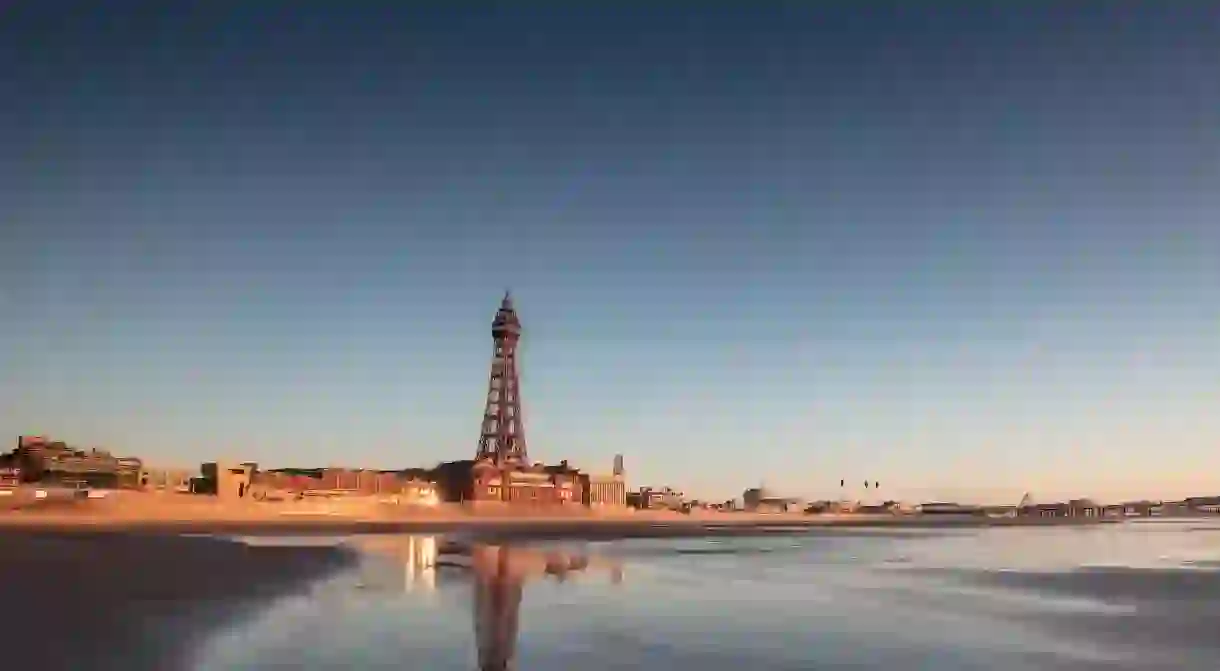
(408, 486)
(10, 476)
(885, 508)
(607, 491)
(1084, 508)
(224, 480)
(1000, 512)
(662, 498)
(38, 460)
(779, 504)
(1140, 508)
(1045, 510)
(1209, 505)
(165, 479)
(947, 508)
(485, 482)
(759, 500)
(943, 508)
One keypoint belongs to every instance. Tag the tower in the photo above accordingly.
(502, 438)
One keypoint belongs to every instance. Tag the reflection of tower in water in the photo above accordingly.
(497, 603)
(500, 574)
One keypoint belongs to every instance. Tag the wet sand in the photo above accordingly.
(136, 600)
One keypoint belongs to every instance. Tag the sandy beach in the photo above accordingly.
(178, 513)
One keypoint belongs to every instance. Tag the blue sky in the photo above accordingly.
(967, 250)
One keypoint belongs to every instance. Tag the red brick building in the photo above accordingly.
(483, 481)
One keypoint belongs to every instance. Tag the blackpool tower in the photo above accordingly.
(502, 438)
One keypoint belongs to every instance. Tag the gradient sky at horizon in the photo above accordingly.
(967, 249)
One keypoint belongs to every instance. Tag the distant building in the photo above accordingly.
(663, 498)
(226, 481)
(1084, 508)
(38, 460)
(1000, 512)
(1203, 504)
(401, 485)
(607, 491)
(759, 500)
(776, 504)
(939, 508)
(165, 479)
(750, 498)
(820, 507)
(1045, 510)
(10, 476)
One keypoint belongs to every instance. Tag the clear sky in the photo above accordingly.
(966, 249)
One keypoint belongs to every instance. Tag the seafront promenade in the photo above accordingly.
(132, 510)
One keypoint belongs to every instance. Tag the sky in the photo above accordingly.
(964, 249)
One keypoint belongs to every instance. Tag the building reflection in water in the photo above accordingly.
(413, 562)
(499, 575)
(497, 604)
(420, 570)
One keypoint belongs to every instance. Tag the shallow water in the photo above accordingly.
(1130, 596)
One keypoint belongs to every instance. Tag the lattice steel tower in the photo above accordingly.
(503, 435)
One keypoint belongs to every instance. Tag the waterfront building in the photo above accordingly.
(403, 486)
(663, 498)
(1084, 508)
(38, 460)
(942, 508)
(759, 500)
(224, 480)
(10, 476)
(751, 497)
(1000, 512)
(165, 479)
(1203, 504)
(1138, 508)
(607, 491)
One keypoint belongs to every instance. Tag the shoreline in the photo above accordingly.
(498, 524)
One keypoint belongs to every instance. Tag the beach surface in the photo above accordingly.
(133, 600)
(180, 513)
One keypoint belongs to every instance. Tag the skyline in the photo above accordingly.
(965, 251)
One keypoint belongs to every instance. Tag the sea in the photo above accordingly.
(1134, 595)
